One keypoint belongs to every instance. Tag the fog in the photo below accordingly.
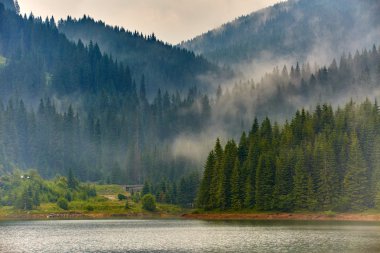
(260, 90)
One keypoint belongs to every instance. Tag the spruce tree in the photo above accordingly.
(327, 177)
(236, 194)
(356, 181)
(251, 166)
(264, 182)
(301, 184)
(203, 200)
(230, 154)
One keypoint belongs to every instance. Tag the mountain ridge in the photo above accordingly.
(292, 29)
(163, 65)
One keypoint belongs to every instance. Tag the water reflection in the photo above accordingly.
(188, 236)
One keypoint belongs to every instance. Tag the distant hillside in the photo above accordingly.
(164, 66)
(296, 28)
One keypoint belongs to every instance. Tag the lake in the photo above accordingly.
(188, 236)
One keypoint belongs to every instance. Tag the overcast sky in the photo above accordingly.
(171, 20)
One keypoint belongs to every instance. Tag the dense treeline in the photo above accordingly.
(323, 160)
(183, 192)
(163, 65)
(280, 93)
(96, 147)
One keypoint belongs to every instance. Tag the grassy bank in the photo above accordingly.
(105, 205)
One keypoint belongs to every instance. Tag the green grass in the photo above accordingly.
(106, 204)
(109, 189)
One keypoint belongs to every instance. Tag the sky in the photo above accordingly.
(172, 21)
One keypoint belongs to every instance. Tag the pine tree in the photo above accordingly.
(249, 192)
(71, 181)
(282, 193)
(203, 200)
(311, 198)
(236, 194)
(216, 184)
(356, 181)
(230, 154)
(146, 189)
(251, 166)
(327, 177)
(264, 182)
(301, 184)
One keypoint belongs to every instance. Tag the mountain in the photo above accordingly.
(163, 66)
(317, 30)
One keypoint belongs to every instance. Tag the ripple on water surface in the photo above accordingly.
(187, 236)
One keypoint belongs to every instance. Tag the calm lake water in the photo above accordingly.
(188, 236)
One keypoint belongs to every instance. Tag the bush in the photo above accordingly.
(90, 208)
(149, 202)
(91, 191)
(330, 213)
(121, 197)
(69, 196)
(63, 204)
(136, 197)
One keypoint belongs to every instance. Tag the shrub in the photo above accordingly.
(330, 213)
(136, 197)
(91, 191)
(63, 204)
(69, 196)
(149, 202)
(90, 208)
(121, 197)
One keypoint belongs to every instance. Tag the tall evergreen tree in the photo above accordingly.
(203, 200)
(355, 180)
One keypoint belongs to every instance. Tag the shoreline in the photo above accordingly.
(86, 216)
(285, 216)
(193, 216)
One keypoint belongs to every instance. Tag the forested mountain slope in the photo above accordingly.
(296, 29)
(163, 66)
(68, 106)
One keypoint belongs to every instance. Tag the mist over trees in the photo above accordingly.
(71, 107)
(319, 29)
(280, 93)
(319, 161)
